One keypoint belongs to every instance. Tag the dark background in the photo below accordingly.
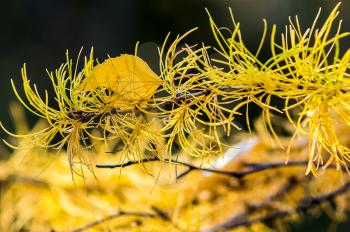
(38, 32)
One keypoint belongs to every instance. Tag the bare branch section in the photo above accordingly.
(252, 167)
(119, 213)
(266, 203)
(22, 179)
(305, 204)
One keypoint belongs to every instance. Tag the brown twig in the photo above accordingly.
(115, 215)
(252, 168)
(266, 203)
(305, 204)
(23, 179)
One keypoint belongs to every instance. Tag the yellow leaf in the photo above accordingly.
(129, 77)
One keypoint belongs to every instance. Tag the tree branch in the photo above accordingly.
(115, 215)
(266, 203)
(22, 179)
(87, 116)
(305, 204)
(257, 167)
